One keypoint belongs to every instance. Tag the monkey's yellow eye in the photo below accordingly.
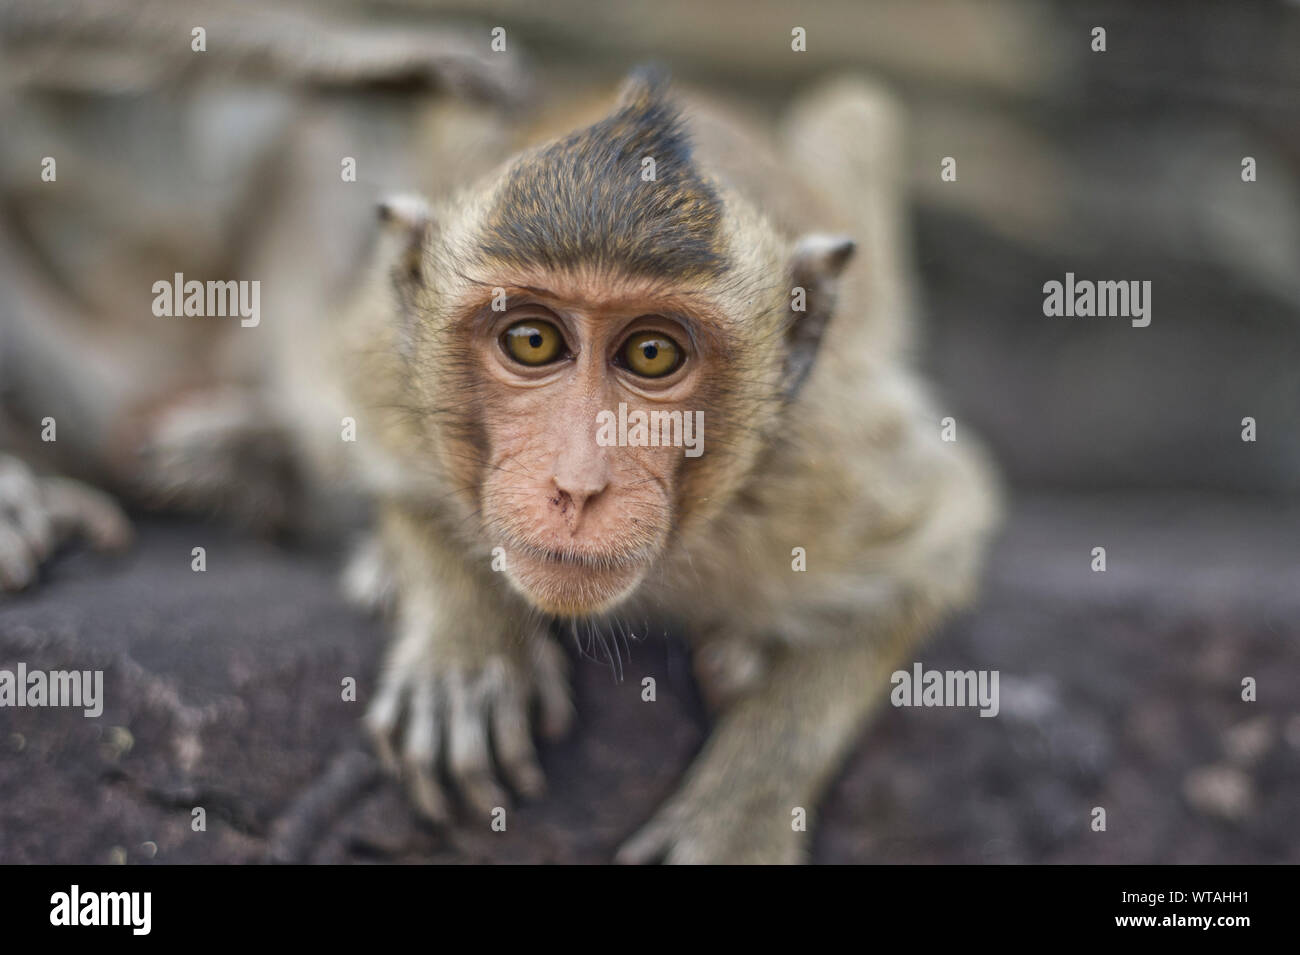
(651, 354)
(533, 342)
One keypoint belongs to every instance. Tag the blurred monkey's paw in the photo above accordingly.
(38, 513)
(727, 826)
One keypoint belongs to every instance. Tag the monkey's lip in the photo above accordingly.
(572, 582)
(587, 559)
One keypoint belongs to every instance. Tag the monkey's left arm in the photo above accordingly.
(896, 519)
(796, 663)
(772, 753)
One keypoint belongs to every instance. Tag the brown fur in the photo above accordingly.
(816, 436)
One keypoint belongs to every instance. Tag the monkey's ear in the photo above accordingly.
(817, 264)
(408, 220)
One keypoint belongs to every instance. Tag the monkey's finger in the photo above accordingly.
(17, 562)
(514, 745)
(700, 849)
(16, 479)
(420, 753)
(33, 523)
(551, 684)
(22, 507)
(469, 755)
(650, 844)
(77, 507)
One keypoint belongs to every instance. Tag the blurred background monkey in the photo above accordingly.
(758, 282)
(135, 150)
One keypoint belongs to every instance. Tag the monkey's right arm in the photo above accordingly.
(467, 663)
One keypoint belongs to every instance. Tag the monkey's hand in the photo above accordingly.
(718, 819)
(37, 514)
(455, 701)
(749, 794)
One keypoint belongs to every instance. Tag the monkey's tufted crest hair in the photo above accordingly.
(583, 200)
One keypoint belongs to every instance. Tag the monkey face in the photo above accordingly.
(590, 414)
(578, 330)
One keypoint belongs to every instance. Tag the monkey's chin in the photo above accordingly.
(574, 589)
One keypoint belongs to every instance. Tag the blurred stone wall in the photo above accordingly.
(1115, 165)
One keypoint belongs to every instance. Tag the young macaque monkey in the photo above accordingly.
(825, 527)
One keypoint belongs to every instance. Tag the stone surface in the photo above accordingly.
(1118, 690)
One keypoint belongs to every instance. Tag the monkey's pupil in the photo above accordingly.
(650, 351)
(535, 340)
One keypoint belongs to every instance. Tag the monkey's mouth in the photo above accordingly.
(590, 560)
(575, 582)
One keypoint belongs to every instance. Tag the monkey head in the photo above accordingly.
(600, 341)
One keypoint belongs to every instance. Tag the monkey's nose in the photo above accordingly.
(572, 504)
(578, 481)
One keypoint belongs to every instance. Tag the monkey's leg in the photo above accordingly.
(773, 752)
(217, 449)
(463, 669)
